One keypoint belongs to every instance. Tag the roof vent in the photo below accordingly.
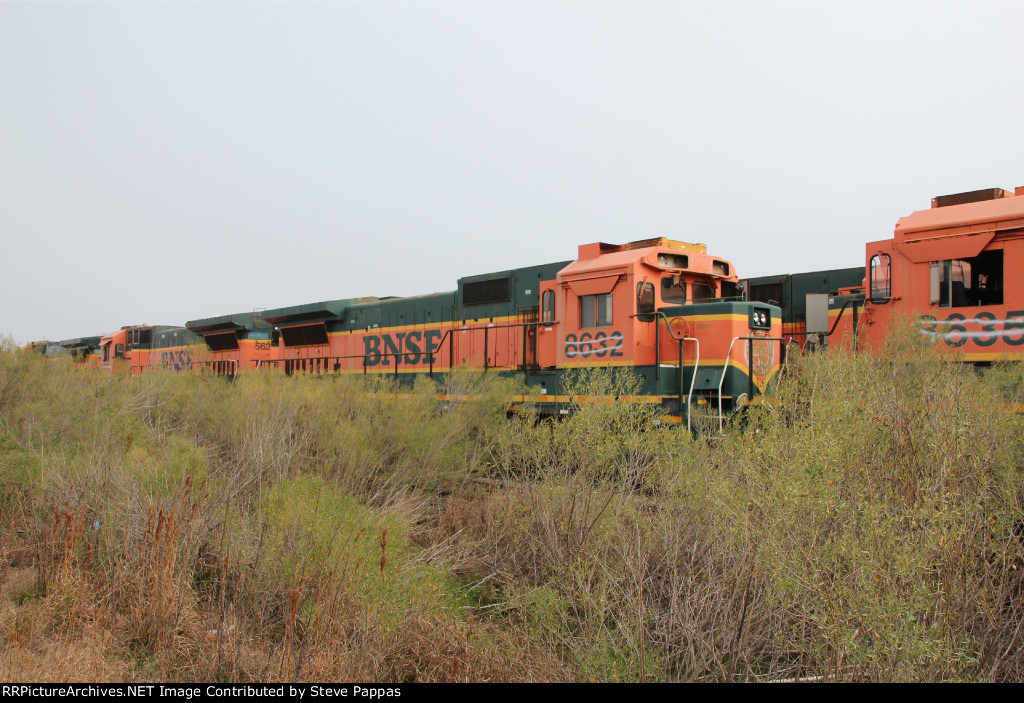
(670, 243)
(974, 196)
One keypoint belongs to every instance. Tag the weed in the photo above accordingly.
(864, 527)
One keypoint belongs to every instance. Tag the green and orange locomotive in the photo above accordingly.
(668, 311)
(680, 319)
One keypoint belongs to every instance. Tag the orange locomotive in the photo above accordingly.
(673, 314)
(949, 270)
(221, 345)
(655, 306)
(139, 348)
(666, 310)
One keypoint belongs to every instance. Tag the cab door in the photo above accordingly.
(547, 333)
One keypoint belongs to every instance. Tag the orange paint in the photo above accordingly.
(952, 271)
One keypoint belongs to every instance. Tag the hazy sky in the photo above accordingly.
(161, 162)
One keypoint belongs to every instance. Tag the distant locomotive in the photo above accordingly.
(668, 310)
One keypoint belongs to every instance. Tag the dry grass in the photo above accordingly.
(279, 529)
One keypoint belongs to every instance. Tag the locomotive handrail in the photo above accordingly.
(750, 377)
(189, 364)
(856, 304)
(211, 362)
(233, 363)
(657, 363)
(451, 347)
(363, 357)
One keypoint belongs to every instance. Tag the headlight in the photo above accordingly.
(760, 318)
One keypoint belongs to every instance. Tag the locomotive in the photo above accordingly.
(670, 312)
(692, 332)
(945, 270)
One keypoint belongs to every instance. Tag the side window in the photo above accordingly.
(645, 302)
(703, 292)
(548, 306)
(119, 351)
(732, 290)
(673, 289)
(604, 310)
(881, 280)
(596, 310)
(959, 283)
(106, 352)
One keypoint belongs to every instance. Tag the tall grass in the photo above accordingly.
(173, 527)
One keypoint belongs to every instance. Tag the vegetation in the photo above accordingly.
(866, 527)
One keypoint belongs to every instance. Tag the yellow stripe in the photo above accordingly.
(592, 399)
(167, 349)
(378, 371)
(443, 326)
(594, 364)
(994, 356)
(540, 399)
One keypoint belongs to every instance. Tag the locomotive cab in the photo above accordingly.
(670, 311)
(947, 268)
(114, 353)
(143, 347)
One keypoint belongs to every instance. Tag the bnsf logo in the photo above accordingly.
(414, 347)
(178, 359)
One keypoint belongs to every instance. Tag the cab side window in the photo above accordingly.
(645, 301)
(596, 310)
(548, 307)
(881, 278)
(673, 289)
(961, 283)
(703, 292)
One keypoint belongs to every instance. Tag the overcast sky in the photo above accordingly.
(161, 162)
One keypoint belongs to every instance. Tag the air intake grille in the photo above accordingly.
(480, 292)
(304, 336)
(222, 342)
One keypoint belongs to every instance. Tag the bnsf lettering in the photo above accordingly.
(178, 359)
(401, 347)
(393, 347)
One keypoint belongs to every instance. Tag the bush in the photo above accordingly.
(866, 527)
